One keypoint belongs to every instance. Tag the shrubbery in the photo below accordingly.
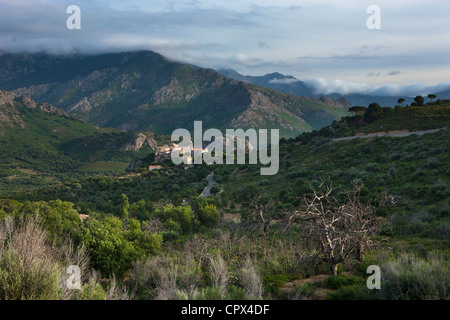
(412, 278)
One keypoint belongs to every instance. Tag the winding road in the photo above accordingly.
(207, 190)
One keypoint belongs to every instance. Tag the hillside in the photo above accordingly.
(41, 145)
(433, 115)
(156, 222)
(144, 91)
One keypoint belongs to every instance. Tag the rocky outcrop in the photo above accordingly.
(340, 103)
(139, 141)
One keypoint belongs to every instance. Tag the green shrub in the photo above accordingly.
(210, 293)
(411, 278)
(236, 293)
(351, 292)
(336, 282)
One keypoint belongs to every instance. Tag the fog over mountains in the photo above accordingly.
(354, 93)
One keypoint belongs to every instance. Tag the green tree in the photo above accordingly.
(141, 209)
(124, 207)
(180, 215)
(374, 112)
(401, 101)
(431, 97)
(358, 109)
(113, 248)
(208, 214)
(418, 101)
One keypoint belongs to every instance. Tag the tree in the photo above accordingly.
(178, 218)
(418, 101)
(113, 248)
(357, 109)
(337, 228)
(431, 97)
(261, 212)
(208, 214)
(124, 206)
(364, 220)
(374, 111)
(401, 101)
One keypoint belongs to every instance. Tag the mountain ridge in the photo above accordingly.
(143, 91)
(291, 85)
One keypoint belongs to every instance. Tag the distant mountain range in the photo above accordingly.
(291, 85)
(144, 91)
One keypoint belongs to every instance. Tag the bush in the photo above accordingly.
(208, 214)
(336, 282)
(302, 292)
(352, 292)
(411, 278)
(115, 246)
(30, 267)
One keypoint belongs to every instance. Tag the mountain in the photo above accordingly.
(291, 85)
(41, 144)
(277, 81)
(145, 91)
(287, 84)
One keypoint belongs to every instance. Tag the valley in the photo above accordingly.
(82, 175)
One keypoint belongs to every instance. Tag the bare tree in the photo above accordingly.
(364, 222)
(336, 228)
(262, 212)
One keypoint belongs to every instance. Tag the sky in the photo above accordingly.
(325, 43)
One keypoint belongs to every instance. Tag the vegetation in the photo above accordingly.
(309, 232)
(44, 148)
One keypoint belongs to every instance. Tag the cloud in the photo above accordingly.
(243, 59)
(393, 73)
(379, 74)
(323, 86)
(263, 45)
(264, 36)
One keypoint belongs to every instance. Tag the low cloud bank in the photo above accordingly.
(324, 86)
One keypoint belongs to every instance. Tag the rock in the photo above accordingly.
(139, 141)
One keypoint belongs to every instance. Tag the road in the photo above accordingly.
(207, 190)
(398, 134)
